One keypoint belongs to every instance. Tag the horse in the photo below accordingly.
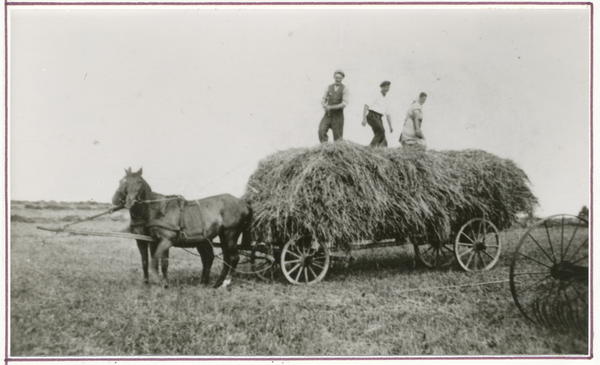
(168, 218)
(139, 215)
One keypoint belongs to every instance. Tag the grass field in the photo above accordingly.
(79, 296)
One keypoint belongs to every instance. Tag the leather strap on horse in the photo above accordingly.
(182, 223)
(137, 222)
(200, 215)
(268, 257)
(158, 200)
(157, 223)
(182, 202)
(179, 229)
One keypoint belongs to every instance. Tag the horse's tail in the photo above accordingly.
(247, 233)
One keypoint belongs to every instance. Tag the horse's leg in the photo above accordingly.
(208, 255)
(230, 256)
(246, 238)
(143, 248)
(164, 265)
(153, 263)
(226, 261)
(157, 251)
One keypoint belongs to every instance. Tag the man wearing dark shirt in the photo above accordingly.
(333, 102)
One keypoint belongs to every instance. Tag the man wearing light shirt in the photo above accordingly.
(333, 102)
(412, 136)
(376, 110)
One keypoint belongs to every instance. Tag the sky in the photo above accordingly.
(197, 96)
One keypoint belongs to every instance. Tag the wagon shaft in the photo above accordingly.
(99, 233)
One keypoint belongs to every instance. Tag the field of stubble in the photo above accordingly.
(81, 295)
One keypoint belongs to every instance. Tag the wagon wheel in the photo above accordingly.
(477, 246)
(304, 262)
(434, 255)
(264, 263)
(549, 273)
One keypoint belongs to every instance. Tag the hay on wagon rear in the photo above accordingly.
(342, 192)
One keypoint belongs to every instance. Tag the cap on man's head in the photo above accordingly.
(339, 72)
(385, 83)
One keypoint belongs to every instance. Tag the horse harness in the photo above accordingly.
(180, 229)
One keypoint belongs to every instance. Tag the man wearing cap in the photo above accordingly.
(376, 110)
(334, 101)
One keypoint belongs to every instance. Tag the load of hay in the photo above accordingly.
(342, 192)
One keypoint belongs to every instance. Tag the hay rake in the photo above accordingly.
(549, 273)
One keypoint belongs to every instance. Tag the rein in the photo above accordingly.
(226, 264)
(110, 211)
(155, 200)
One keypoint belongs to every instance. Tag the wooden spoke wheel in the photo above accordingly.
(549, 273)
(304, 262)
(477, 246)
(264, 263)
(435, 255)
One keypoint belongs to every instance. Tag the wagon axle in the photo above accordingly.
(306, 261)
(479, 246)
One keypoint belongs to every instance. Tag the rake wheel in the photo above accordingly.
(549, 273)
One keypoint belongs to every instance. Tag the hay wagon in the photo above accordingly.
(314, 205)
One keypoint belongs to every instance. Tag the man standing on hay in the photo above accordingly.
(411, 134)
(376, 110)
(334, 101)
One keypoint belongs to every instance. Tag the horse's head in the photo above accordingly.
(120, 195)
(132, 189)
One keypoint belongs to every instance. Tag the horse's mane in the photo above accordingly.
(163, 202)
(146, 186)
